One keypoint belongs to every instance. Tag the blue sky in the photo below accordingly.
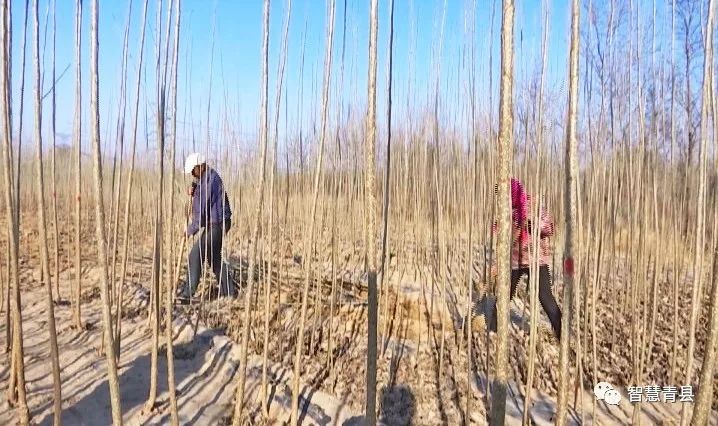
(236, 71)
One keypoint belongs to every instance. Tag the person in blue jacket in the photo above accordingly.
(212, 214)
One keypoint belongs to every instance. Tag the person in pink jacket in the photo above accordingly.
(521, 248)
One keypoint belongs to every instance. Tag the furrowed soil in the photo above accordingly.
(423, 369)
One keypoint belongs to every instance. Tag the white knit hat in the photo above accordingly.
(194, 159)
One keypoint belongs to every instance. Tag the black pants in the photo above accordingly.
(208, 249)
(548, 302)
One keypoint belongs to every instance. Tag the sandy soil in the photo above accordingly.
(418, 382)
(205, 369)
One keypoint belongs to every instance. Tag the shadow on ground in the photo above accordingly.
(134, 383)
(398, 407)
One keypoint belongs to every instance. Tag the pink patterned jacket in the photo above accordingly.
(521, 230)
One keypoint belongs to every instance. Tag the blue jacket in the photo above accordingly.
(210, 204)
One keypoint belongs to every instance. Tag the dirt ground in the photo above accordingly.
(423, 379)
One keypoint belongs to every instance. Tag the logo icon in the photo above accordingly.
(600, 389)
(612, 397)
(604, 391)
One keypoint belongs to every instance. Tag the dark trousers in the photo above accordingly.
(208, 249)
(548, 302)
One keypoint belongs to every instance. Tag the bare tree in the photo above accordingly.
(534, 273)
(157, 250)
(128, 197)
(44, 256)
(472, 152)
(118, 162)
(53, 167)
(17, 371)
(387, 168)
(77, 130)
(571, 247)
(7, 90)
(169, 299)
(264, 129)
(309, 239)
(370, 206)
(272, 176)
(703, 405)
(704, 399)
(113, 381)
(505, 148)
(16, 192)
(23, 56)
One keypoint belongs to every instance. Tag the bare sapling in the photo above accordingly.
(439, 237)
(503, 215)
(387, 177)
(155, 301)
(6, 93)
(272, 175)
(336, 184)
(77, 136)
(117, 177)
(264, 130)
(113, 381)
(118, 162)
(535, 214)
(53, 159)
(130, 178)
(370, 208)
(704, 399)
(14, 365)
(472, 156)
(310, 238)
(23, 58)
(17, 395)
(169, 296)
(571, 249)
(44, 255)
(701, 411)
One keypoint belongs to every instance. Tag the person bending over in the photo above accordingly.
(210, 212)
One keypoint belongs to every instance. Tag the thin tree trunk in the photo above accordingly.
(370, 207)
(675, 234)
(239, 398)
(387, 174)
(7, 93)
(113, 381)
(120, 148)
(704, 399)
(703, 406)
(503, 248)
(53, 159)
(17, 372)
(309, 241)
(571, 248)
(155, 296)
(18, 172)
(77, 312)
(169, 297)
(44, 256)
(337, 183)
(272, 173)
(128, 197)
(16, 191)
(536, 214)
(470, 219)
